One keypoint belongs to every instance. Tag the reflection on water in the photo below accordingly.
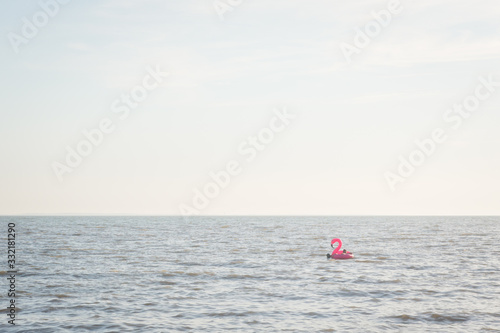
(166, 274)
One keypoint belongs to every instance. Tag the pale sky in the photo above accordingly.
(227, 80)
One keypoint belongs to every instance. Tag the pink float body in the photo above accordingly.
(340, 256)
(336, 254)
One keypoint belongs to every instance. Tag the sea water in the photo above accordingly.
(254, 274)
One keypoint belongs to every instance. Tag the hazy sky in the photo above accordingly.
(227, 81)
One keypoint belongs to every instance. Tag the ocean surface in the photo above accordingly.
(254, 274)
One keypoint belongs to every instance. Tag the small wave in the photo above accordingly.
(2, 310)
(404, 317)
(417, 268)
(193, 264)
(199, 274)
(243, 276)
(231, 314)
(428, 291)
(294, 250)
(93, 327)
(474, 234)
(51, 309)
(236, 262)
(27, 274)
(167, 283)
(317, 315)
(362, 279)
(54, 286)
(451, 318)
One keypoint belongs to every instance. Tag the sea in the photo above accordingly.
(253, 274)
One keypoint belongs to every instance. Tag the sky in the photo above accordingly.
(250, 107)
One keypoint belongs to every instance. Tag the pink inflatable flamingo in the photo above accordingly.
(337, 254)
